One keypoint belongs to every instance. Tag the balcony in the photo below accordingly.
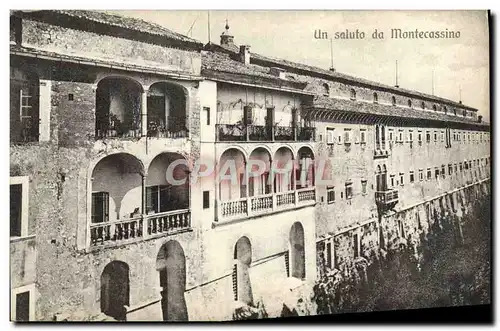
(386, 200)
(380, 150)
(265, 204)
(140, 228)
(240, 132)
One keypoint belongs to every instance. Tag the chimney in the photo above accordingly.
(480, 118)
(278, 72)
(245, 54)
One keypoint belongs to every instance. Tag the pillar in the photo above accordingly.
(144, 113)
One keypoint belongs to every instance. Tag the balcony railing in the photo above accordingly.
(169, 221)
(386, 198)
(140, 227)
(240, 132)
(263, 204)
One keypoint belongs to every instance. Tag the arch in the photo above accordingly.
(375, 97)
(24, 105)
(171, 265)
(167, 186)
(241, 276)
(409, 103)
(116, 187)
(297, 251)
(283, 181)
(118, 107)
(393, 100)
(434, 107)
(167, 105)
(445, 110)
(258, 179)
(422, 105)
(231, 174)
(305, 175)
(115, 289)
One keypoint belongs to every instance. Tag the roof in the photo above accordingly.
(328, 74)
(222, 63)
(130, 23)
(364, 107)
(83, 60)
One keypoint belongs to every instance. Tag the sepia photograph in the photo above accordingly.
(244, 165)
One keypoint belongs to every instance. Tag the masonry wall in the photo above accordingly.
(102, 47)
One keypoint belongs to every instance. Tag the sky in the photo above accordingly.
(460, 64)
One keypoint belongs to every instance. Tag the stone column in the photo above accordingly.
(143, 206)
(144, 113)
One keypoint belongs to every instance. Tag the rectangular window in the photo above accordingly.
(429, 174)
(420, 137)
(206, 199)
(393, 181)
(436, 172)
(100, 207)
(435, 136)
(391, 136)
(410, 136)
(456, 168)
(401, 136)
(16, 201)
(421, 175)
(450, 169)
(330, 194)
(401, 179)
(206, 110)
(22, 306)
(428, 136)
(158, 199)
(363, 186)
(363, 136)
(348, 191)
(443, 172)
(461, 167)
(329, 255)
(347, 136)
(412, 177)
(356, 245)
(330, 136)
(19, 196)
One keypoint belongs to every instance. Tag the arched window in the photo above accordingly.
(115, 290)
(445, 110)
(434, 107)
(297, 252)
(454, 111)
(353, 94)
(393, 100)
(409, 103)
(465, 113)
(375, 97)
(241, 277)
(326, 90)
(422, 105)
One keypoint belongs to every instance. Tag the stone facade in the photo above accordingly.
(63, 256)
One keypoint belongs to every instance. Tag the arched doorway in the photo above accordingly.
(241, 277)
(115, 290)
(171, 265)
(297, 251)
